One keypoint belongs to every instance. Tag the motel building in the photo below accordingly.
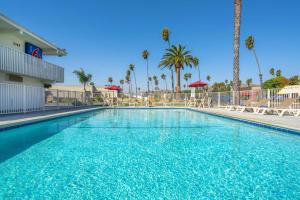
(24, 71)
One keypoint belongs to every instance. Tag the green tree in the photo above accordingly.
(83, 77)
(165, 34)
(190, 77)
(163, 77)
(250, 45)
(249, 82)
(278, 72)
(208, 78)
(128, 81)
(110, 80)
(277, 82)
(294, 80)
(131, 68)
(236, 49)
(177, 57)
(272, 72)
(145, 55)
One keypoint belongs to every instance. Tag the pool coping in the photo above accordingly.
(36, 119)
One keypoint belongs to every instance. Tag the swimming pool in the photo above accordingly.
(148, 154)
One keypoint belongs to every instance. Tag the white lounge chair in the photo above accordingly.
(285, 108)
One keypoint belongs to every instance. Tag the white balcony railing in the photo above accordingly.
(14, 61)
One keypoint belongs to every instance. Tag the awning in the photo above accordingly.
(292, 89)
(113, 87)
(198, 84)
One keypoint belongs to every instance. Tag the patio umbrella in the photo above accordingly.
(198, 84)
(113, 87)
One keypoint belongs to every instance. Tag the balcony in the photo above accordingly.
(17, 62)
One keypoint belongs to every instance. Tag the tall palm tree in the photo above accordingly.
(122, 83)
(250, 45)
(236, 49)
(177, 57)
(131, 68)
(196, 64)
(190, 76)
(186, 78)
(150, 80)
(165, 34)
(83, 77)
(208, 78)
(272, 72)
(278, 72)
(155, 82)
(128, 80)
(145, 55)
(110, 80)
(163, 77)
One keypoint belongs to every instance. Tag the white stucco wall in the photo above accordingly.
(12, 41)
(26, 80)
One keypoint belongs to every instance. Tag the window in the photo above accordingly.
(15, 78)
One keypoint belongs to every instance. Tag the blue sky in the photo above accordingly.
(104, 37)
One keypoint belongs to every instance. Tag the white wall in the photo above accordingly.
(10, 40)
(26, 80)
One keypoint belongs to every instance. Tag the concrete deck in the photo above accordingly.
(288, 122)
(10, 120)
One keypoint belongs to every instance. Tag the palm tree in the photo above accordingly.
(249, 82)
(272, 72)
(165, 34)
(250, 45)
(177, 57)
(208, 78)
(122, 83)
(110, 80)
(155, 82)
(186, 78)
(150, 80)
(146, 56)
(196, 64)
(128, 80)
(278, 72)
(163, 77)
(131, 68)
(189, 76)
(236, 49)
(83, 77)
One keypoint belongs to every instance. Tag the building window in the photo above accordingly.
(15, 78)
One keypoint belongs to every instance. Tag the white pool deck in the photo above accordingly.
(289, 122)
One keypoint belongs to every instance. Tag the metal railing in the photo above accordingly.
(14, 61)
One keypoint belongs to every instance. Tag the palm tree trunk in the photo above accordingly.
(199, 73)
(166, 85)
(135, 83)
(236, 48)
(178, 79)
(259, 69)
(172, 71)
(148, 76)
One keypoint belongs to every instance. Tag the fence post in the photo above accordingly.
(219, 99)
(233, 98)
(185, 100)
(75, 104)
(24, 98)
(269, 100)
(57, 98)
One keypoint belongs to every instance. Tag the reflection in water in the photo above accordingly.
(19, 139)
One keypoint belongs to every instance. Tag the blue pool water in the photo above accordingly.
(148, 154)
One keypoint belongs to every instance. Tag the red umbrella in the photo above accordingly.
(113, 87)
(198, 84)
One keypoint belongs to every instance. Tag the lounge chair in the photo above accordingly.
(285, 108)
(192, 102)
(247, 106)
(259, 106)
